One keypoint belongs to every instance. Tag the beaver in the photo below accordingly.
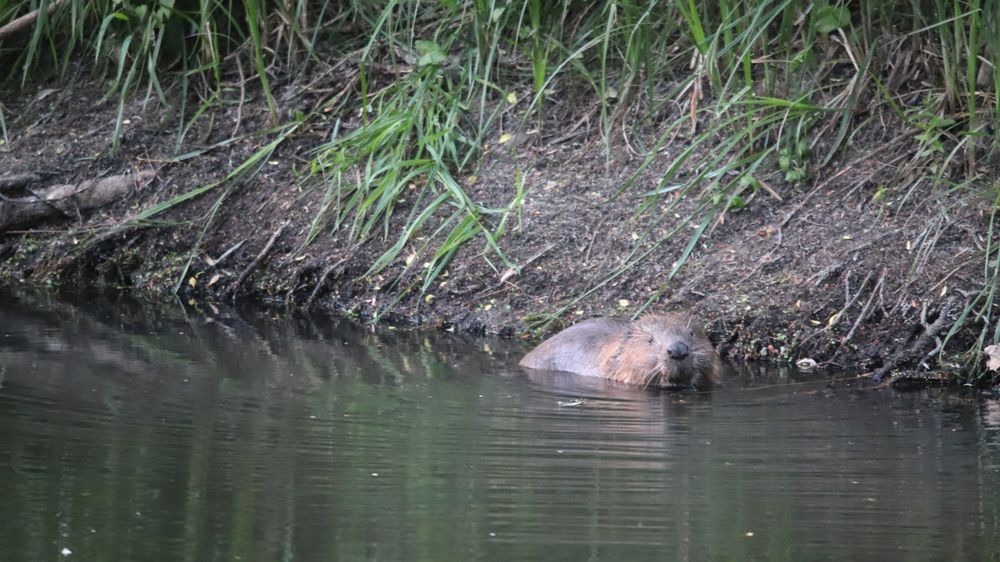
(663, 351)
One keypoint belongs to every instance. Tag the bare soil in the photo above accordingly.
(833, 269)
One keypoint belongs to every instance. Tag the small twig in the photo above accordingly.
(349, 88)
(575, 130)
(954, 270)
(506, 275)
(227, 253)
(771, 191)
(510, 272)
(827, 271)
(848, 300)
(929, 242)
(593, 237)
(813, 191)
(260, 256)
(541, 253)
(628, 145)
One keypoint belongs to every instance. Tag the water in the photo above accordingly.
(197, 433)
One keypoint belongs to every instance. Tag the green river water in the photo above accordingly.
(200, 433)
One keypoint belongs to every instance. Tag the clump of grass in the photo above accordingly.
(135, 43)
(415, 133)
(762, 130)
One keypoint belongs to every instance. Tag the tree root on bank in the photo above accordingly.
(930, 336)
(231, 292)
(68, 199)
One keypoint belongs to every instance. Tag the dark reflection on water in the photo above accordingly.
(203, 434)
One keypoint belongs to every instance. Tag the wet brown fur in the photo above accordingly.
(633, 353)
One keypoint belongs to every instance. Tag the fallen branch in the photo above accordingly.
(16, 26)
(69, 199)
(12, 181)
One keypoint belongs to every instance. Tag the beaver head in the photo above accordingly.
(666, 351)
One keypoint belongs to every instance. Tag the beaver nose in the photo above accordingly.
(678, 351)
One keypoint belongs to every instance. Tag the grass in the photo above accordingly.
(770, 91)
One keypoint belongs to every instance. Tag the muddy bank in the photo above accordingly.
(838, 268)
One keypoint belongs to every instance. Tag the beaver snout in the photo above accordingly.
(678, 351)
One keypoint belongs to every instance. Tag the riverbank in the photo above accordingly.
(836, 270)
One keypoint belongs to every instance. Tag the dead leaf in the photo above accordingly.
(833, 320)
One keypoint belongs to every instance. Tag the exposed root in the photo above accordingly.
(865, 313)
(326, 274)
(256, 261)
(930, 335)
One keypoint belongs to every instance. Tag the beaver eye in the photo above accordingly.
(649, 340)
(691, 333)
